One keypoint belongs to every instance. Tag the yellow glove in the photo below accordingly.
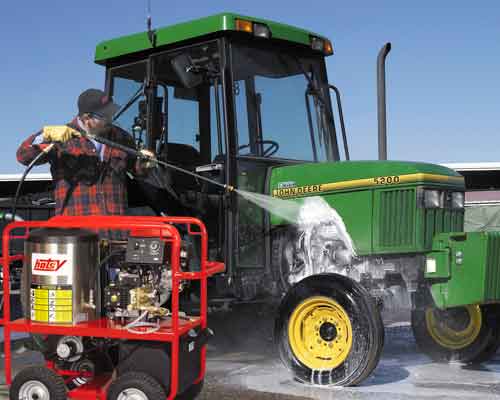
(58, 133)
(146, 161)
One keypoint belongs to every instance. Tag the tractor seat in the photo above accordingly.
(183, 155)
(186, 157)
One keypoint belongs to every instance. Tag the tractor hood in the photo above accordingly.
(303, 180)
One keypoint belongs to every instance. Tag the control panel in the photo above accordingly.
(145, 250)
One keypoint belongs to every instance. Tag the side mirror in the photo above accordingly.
(185, 70)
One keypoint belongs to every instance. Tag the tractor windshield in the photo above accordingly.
(128, 93)
(278, 108)
(185, 113)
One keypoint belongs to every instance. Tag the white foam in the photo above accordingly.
(323, 244)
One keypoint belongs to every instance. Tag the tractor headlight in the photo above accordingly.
(323, 45)
(457, 200)
(430, 265)
(433, 199)
(258, 29)
(262, 31)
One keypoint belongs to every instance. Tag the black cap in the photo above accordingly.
(95, 101)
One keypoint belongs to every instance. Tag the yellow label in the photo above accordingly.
(63, 317)
(63, 302)
(41, 316)
(64, 294)
(41, 294)
(52, 304)
(41, 306)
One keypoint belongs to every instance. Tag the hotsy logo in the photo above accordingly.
(48, 264)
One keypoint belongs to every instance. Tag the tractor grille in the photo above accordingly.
(439, 220)
(397, 218)
(493, 267)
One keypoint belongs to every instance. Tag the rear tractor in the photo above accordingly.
(246, 102)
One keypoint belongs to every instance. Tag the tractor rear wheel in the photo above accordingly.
(329, 331)
(469, 334)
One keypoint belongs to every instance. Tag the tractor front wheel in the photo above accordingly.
(329, 331)
(469, 334)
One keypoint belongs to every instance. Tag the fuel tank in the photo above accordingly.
(61, 276)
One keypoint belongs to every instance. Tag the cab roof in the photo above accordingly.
(139, 42)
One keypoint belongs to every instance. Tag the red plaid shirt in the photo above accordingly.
(85, 185)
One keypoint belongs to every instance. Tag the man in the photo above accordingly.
(89, 177)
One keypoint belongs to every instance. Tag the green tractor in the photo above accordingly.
(246, 102)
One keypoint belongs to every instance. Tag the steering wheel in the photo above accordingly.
(268, 152)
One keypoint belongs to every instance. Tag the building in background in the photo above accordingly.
(482, 196)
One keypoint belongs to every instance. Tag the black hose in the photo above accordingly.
(107, 258)
(26, 171)
(136, 153)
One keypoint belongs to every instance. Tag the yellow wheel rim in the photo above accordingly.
(454, 338)
(320, 333)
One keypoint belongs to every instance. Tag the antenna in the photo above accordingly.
(151, 32)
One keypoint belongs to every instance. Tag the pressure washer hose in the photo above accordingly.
(138, 154)
(30, 166)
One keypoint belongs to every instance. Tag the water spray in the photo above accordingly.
(285, 209)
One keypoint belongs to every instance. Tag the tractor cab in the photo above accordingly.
(228, 97)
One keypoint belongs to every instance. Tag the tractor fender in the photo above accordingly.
(325, 280)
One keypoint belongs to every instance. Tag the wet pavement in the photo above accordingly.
(242, 360)
(242, 364)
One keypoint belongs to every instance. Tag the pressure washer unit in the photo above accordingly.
(106, 313)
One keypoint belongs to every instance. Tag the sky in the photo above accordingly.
(443, 73)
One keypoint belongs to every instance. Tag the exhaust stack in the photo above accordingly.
(381, 103)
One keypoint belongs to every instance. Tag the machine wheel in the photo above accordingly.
(37, 383)
(329, 331)
(192, 392)
(467, 334)
(135, 386)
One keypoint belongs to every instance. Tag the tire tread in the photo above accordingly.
(139, 380)
(49, 378)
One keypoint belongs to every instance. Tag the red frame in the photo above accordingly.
(170, 331)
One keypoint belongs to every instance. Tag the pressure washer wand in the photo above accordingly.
(137, 153)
